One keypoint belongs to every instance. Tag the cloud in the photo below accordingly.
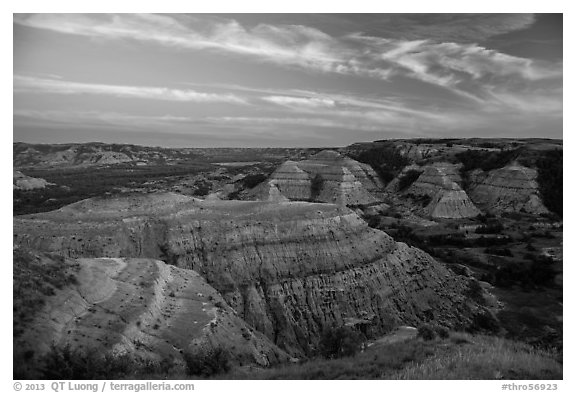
(306, 102)
(25, 84)
(463, 68)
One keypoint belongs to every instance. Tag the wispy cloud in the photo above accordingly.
(25, 84)
(462, 68)
(306, 102)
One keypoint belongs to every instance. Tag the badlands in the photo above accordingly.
(169, 253)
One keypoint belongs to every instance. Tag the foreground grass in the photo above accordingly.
(462, 356)
(486, 357)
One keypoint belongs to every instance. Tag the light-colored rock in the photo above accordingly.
(513, 188)
(289, 269)
(146, 308)
(325, 177)
(23, 182)
(439, 182)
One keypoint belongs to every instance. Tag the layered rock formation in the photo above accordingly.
(440, 183)
(325, 177)
(289, 269)
(146, 308)
(510, 189)
(22, 182)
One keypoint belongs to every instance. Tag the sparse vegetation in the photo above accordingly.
(35, 277)
(386, 161)
(458, 356)
(340, 342)
(550, 180)
(68, 363)
(316, 186)
(207, 362)
(408, 179)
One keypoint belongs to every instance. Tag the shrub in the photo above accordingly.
(316, 186)
(386, 161)
(252, 180)
(207, 362)
(408, 178)
(340, 342)
(442, 332)
(427, 332)
(485, 321)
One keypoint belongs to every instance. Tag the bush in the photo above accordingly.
(485, 321)
(427, 332)
(408, 178)
(67, 363)
(207, 362)
(340, 342)
(252, 180)
(316, 186)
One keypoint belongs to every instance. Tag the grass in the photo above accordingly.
(460, 356)
(34, 278)
(486, 357)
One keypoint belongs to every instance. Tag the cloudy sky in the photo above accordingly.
(285, 79)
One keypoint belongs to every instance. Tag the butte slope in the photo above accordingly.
(513, 188)
(289, 269)
(143, 307)
(327, 176)
(439, 182)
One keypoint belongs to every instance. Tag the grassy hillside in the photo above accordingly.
(460, 356)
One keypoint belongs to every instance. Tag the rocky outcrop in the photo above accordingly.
(146, 308)
(22, 182)
(289, 269)
(440, 183)
(325, 177)
(510, 189)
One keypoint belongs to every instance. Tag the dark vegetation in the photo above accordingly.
(252, 180)
(35, 277)
(485, 159)
(340, 342)
(208, 362)
(73, 363)
(77, 184)
(537, 273)
(408, 179)
(550, 180)
(385, 160)
(447, 355)
(316, 186)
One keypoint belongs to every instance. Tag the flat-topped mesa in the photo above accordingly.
(327, 176)
(145, 308)
(513, 188)
(440, 182)
(290, 269)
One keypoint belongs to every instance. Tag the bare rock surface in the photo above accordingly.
(289, 269)
(146, 308)
(440, 182)
(22, 182)
(513, 188)
(327, 176)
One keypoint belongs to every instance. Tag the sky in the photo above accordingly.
(267, 80)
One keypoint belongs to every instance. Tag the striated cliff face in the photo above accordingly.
(289, 269)
(146, 308)
(325, 177)
(510, 189)
(439, 181)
